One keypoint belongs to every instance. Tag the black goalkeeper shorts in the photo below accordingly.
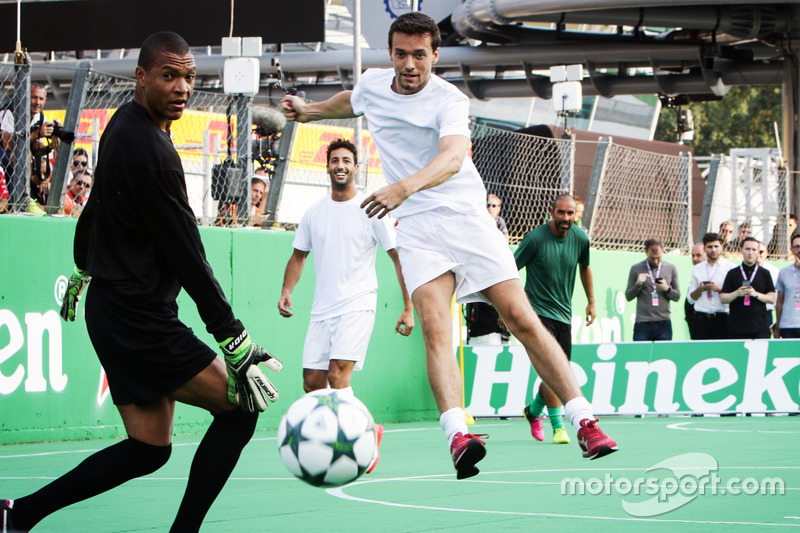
(145, 350)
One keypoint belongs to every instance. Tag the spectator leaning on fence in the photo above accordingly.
(653, 283)
(748, 289)
(698, 256)
(710, 314)
(787, 302)
(78, 192)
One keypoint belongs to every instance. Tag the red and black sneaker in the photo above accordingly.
(593, 441)
(467, 450)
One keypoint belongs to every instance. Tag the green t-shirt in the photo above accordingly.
(550, 264)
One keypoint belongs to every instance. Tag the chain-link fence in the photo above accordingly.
(217, 179)
(525, 172)
(636, 195)
(633, 194)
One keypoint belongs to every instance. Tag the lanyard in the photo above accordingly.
(650, 271)
(752, 277)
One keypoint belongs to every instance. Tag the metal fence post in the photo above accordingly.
(595, 184)
(685, 174)
(568, 162)
(281, 171)
(20, 182)
(244, 150)
(72, 117)
(708, 197)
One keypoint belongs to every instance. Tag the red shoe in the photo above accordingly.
(593, 441)
(379, 435)
(536, 424)
(467, 450)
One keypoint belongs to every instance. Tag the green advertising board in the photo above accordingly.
(750, 376)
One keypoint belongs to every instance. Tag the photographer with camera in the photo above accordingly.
(654, 283)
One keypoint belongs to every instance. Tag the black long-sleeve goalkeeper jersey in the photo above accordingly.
(138, 234)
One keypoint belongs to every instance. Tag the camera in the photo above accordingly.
(58, 132)
(65, 135)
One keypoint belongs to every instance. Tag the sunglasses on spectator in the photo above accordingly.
(83, 184)
(796, 247)
(492, 205)
(80, 163)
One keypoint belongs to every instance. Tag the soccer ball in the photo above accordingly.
(327, 439)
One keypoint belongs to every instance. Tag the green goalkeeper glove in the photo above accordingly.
(247, 385)
(75, 287)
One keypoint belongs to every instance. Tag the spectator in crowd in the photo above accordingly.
(773, 273)
(258, 197)
(787, 302)
(698, 256)
(580, 205)
(78, 192)
(482, 319)
(748, 289)
(493, 204)
(38, 118)
(80, 160)
(40, 181)
(4, 195)
(654, 283)
(725, 234)
(733, 246)
(550, 255)
(775, 246)
(710, 314)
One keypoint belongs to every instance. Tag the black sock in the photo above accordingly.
(212, 465)
(98, 473)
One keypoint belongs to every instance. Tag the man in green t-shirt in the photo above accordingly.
(549, 254)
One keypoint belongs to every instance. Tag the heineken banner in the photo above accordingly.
(748, 376)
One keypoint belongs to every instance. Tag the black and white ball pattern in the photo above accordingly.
(327, 439)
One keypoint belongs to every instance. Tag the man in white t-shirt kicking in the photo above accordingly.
(344, 240)
(446, 239)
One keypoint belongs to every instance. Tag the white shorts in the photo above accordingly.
(343, 337)
(434, 242)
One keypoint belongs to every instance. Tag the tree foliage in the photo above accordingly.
(742, 119)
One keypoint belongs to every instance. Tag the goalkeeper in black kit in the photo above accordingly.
(137, 241)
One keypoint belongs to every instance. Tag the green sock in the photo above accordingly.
(537, 406)
(555, 417)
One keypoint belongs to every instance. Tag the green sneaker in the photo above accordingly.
(560, 436)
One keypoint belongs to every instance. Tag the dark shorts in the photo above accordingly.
(562, 333)
(145, 350)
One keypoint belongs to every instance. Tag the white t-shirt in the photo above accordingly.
(407, 129)
(344, 244)
(7, 120)
(704, 272)
(789, 284)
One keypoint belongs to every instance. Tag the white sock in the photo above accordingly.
(453, 421)
(578, 409)
(346, 392)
